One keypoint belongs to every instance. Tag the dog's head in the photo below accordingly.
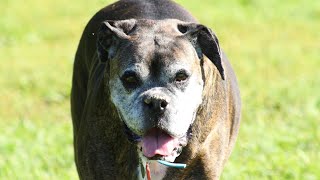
(156, 79)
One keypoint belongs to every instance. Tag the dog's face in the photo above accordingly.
(155, 80)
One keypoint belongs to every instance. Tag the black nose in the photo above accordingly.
(156, 104)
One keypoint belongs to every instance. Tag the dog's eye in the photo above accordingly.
(181, 76)
(130, 79)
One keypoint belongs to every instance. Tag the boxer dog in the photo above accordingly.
(151, 83)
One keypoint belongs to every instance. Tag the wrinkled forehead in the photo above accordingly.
(158, 44)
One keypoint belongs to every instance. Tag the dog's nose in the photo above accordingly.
(156, 104)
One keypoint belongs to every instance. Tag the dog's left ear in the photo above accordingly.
(204, 41)
(111, 34)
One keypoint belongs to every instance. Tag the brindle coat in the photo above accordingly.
(102, 149)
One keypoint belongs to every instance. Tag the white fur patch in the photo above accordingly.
(185, 106)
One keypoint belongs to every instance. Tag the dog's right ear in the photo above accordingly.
(110, 35)
(205, 42)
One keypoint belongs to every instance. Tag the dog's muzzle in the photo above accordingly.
(157, 144)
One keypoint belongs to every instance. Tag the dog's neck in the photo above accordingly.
(157, 170)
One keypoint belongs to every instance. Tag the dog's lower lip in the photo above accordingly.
(169, 158)
(157, 157)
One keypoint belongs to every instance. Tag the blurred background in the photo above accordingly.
(274, 47)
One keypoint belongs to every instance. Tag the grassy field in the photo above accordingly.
(274, 47)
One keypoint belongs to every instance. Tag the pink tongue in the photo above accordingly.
(158, 142)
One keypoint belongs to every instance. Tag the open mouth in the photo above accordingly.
(156, 144)
(159, 145)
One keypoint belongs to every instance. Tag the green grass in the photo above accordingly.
(273, 45)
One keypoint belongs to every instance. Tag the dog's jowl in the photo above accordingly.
(150, 83)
